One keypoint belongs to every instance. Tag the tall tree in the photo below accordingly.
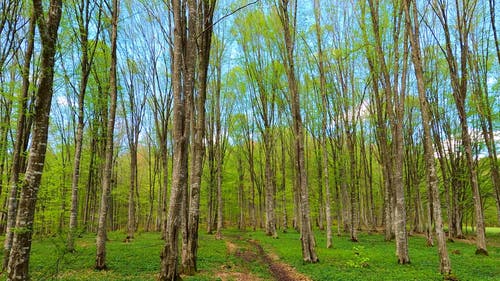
(324, 121)
(377, 109)
(394, 98)
(185, 13)
(205, 29)
(413, 28)
(48, 25)
(20, 143)
(459, 69)
(260, 67)
(100, 262)
(83, 12)
(288, 19)
(219, 156)
(479, 63)
(494, 27)
(133, 109)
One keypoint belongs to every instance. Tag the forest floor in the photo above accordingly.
(249, 251)
(253, 256)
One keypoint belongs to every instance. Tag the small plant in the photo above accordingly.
(360, 260)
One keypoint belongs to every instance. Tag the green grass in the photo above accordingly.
(140, 259)
(342, 263)
(126, 261)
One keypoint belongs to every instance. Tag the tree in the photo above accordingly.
(381, 131)
(289, 29)
(20, 143)
(458, 68)
(83, 13)
(261, 71)
(324, 120)
(100, 262)
(394, 98)
(479, 71)
(183, 75)
(413, 28)
(205, 30)
(48, 25)
(133, 109)
(494, 28)
(219, 146)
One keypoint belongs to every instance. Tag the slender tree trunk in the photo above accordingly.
(100, 262)
(344, 194)
(241, 195)
(324, 121)
(83, 18)
(18, 266)
(131, 192)
(189, 258)
(480, 91)
(162, 112)
(494, 28)
(211, 181)
(381, 136)
(252, 179)
(353, 195)
(283, 183)
(326, 177)
(307, 236)
(400, 208)
(459, 81)
(21, 134)
(367, 166)
(394, 98)
(412, 25)
(269, 183)
(183, 75)
(218, 158)
(319, 169)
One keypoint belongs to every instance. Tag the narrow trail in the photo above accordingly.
(248, 251)
(280, 270)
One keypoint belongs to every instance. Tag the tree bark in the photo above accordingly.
(100, 261)
(83, 18)
(18, 266)
(484, 109)
(22, 133)
(412, 25)
(394, 98)
(218, 158)
(324, 121)
(189, 257)
(283, 183)
(133, 108)
(183, 75)
(381, 136)
(307, 236)
(494, 28)
(459, 81)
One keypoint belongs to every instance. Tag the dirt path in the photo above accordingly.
(250, 251)
(280, 270)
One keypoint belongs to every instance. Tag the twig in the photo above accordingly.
(226, 16)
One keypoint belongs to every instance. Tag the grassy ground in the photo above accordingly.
(137, 261)
(374, 259)
(370, 259)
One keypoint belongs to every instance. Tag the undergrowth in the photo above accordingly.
(371, 258)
